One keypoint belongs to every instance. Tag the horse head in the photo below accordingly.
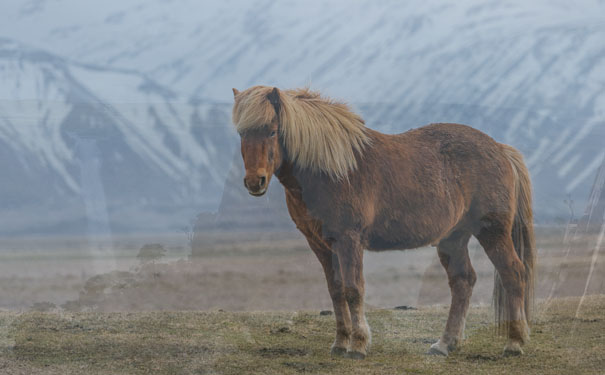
(260, 145)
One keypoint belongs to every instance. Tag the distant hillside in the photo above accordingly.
(115, 116)
(74, 161)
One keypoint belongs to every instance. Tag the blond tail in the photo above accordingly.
(523, 239)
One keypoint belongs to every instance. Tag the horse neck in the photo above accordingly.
(295, 179)
(288, 178)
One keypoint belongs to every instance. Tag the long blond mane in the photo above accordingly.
(318, 133)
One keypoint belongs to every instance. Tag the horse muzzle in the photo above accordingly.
(256, 185)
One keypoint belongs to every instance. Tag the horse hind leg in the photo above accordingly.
(497, 242)
(453, 254)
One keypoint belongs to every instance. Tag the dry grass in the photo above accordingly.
(220, 342)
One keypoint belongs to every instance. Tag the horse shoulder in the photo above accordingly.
(300, 215)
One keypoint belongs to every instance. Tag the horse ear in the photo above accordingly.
(235, 92)
(274, 99)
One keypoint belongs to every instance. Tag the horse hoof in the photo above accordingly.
(338, 352)
(438, 349)
(355, 355)
(512, 350)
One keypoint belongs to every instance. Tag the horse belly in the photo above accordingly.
(400, 238)
(410, 230)
(380, 243)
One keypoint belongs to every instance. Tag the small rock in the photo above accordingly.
(325, 312)
(405, 307)
(281, 330)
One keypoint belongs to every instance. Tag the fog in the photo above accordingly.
(116, 134)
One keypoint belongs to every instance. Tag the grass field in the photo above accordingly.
(565, 340)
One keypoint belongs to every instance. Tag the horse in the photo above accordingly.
(350, 188)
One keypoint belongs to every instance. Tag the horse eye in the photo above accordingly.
(273, 133)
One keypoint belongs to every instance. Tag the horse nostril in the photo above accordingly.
(262, 181)
(245, 184)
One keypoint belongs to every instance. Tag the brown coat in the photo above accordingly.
(350, 188)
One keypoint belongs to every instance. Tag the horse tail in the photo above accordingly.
(522, 236)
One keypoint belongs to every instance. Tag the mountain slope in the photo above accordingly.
(530, 74)
(71, 150)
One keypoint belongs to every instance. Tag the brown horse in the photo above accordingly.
(350, 188)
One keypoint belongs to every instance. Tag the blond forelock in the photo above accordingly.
(318, 133)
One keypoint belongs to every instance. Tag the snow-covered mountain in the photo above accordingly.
(71, 155)
(143, 88)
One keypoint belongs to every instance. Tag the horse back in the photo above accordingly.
(410, 189)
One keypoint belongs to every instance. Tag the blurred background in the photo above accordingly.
(121, 183)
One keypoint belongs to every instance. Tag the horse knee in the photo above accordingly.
(464, 279)
(353, 295)
(337, 294)
(471, 278)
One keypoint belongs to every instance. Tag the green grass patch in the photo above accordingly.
(220, 342)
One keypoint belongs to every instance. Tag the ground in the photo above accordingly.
(251, 272)
(565, 340)
(251, 304)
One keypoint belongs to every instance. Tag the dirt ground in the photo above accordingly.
(248, 272)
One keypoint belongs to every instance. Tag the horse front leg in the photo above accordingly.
(332, 271)
(350, 257)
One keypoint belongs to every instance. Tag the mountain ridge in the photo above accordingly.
(155, 78)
